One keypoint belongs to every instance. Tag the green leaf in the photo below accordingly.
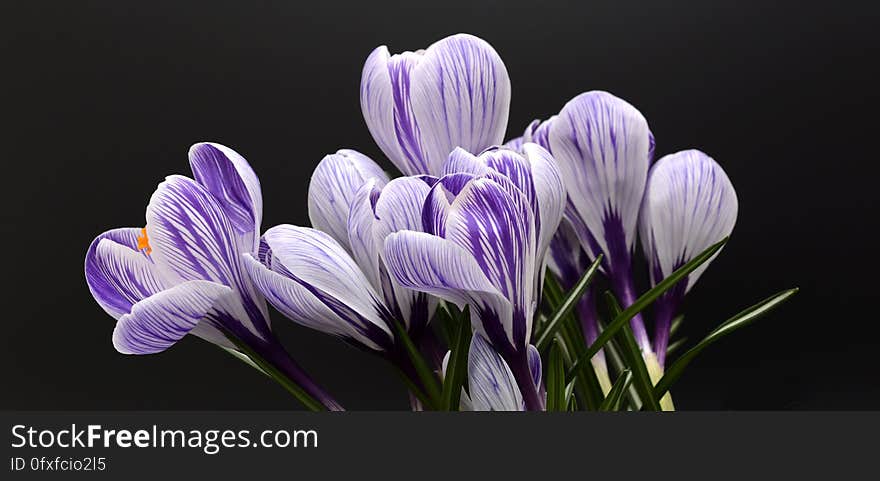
(612, 400)
(676, 323)
(675, 346)
(555, 379)
(270, 370)
(567, 306)
(644, 301)
(740, 320)
(423, 371)
(456, 369)
(633, 356)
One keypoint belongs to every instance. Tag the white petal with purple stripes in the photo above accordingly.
(191, 235)
(159, 321)
(603, 147)
(420, 105)
(491, 383)
(232, 181)
(320, 264)
(118, 274)
(333, 186)
(431, 264)
(689, 205)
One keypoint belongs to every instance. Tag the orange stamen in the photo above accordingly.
(144, 242)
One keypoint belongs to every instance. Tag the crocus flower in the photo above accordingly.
(603, 147)
(487, 227)
(689, 205)
(334, 280)
(182, 273)
(420, 105)
(491, 384)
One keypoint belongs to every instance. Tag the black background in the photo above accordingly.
(101, 100)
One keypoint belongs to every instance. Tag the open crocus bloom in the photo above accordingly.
(340, 286)
(486, 231)
(420, 105)
(689, 205)
(182, 273)
(603, 147)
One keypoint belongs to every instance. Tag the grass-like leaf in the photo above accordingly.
(586, 384)
(675, 346)
(456, 369)
(742, 319)
(567, 306)
(555, 379)
(676, 323)
(633, 358)
(423, 371)
(612, 400)
(644, 301)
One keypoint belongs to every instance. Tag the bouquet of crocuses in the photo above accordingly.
(475, 275)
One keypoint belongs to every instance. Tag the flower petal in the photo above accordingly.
(320, 264)
(539, 132)
(491, 383)
(461, 96)
(491, 220)
(157, 322)
(232, 182)
(436, 208)
(118, 274)
(305, 307)
(461, 160)
(549, 192)
(535, 365)
(603, 147)
(361, 226)
(399, 207)
(191, 235)
(333, 186)
(385, 103)
(437, 266)
(689, 205)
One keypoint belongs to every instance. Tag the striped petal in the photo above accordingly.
(120, 275)
(333, 186)
(235, 186)
(491, 383)
(419, 106)
(321, 265)
(603, 147)
(437, 266)
(190, 234)
(549, 193)
(313, 309)
(689, 205)
(491, 220)
(157, 322)
(539, 132)
(377, 213)
(533, 171)
(439, 200)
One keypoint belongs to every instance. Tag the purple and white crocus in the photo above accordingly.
(183, 273)
(333, 278)
(420, 105)
(689, 205)
(486, 228)
(491, 384)
(603, 147)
